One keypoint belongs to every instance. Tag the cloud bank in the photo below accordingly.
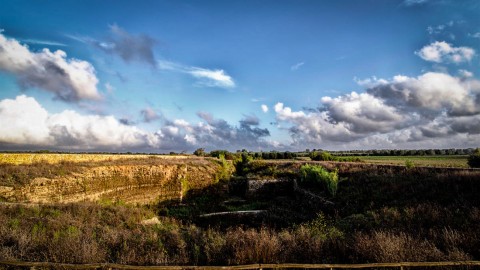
(69, 80)
(431, 110)
(25, 124)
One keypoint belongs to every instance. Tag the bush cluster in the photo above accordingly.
(317, 174)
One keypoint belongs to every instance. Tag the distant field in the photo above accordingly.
(29, 158)
(459, 161)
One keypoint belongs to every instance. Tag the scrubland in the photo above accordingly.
(376, 213)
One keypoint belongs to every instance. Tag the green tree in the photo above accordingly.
(199, 152)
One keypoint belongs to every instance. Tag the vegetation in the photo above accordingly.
(317, 174)
(474, 159)
(409, 164)
(422, 161)
(376, 213)
(54, 158)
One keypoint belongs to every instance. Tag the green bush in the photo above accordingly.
(318, 174)
(226, 169)
(241, 164)
(474, 159)
(409, 164)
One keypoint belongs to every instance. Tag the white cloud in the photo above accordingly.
(312, 127)
(441, 51)
(363, 113)
(42, 42)
(435, 29)
(69, 79)
(215, 133)
(212, 78)
(206, 77)
(25, 124)
(264, 108)
(402, 112)
(23, 121)
(430, 93)
(297, 66)
(369, 82)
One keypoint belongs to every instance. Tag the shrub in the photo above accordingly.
(409, 164)
(322, 156)
(318, 174)
(474, 159)
(241, 164)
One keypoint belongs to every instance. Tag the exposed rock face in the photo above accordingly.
(133, 183)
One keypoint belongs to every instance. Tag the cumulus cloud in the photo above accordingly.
(127, 46)
(70, 80)
(213, 133)
(441, 51)
(25, 124)
(400, 112)
(23, 121)
(431, 93)
(311, 128)
(264, 108)
(363, 113)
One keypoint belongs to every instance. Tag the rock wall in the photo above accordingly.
(128, 183)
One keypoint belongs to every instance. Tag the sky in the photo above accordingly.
(289, 75)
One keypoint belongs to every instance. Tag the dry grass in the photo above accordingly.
(50, 158)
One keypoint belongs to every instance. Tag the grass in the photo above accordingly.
(53, 158)
(459, 161)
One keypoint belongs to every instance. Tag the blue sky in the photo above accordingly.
(161, 76)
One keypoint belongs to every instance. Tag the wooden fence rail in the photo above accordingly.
(400, 265)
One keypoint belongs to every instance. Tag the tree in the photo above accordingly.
(474, 159)
(199, 152)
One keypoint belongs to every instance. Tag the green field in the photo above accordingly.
(459, 161)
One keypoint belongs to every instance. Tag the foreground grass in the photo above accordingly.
(88, 233)
(459, 161)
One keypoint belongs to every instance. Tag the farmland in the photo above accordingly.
(152, 210)
(457, 161)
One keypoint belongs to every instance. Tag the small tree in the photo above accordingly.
(199, 152)
(474, 159)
